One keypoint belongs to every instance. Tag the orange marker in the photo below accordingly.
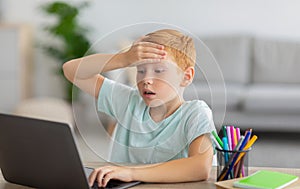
(248, 145)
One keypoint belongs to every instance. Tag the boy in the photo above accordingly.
(155, 126)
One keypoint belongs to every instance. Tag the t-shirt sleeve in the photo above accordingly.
(200, 122)
(114, 98)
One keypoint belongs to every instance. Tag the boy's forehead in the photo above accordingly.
(167, 63)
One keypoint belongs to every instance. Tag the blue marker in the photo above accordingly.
(245, 141)
(225, 147)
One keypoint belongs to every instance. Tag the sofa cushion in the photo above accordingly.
(283, 99)
(276, 61)
(216, 95)
(232, 56)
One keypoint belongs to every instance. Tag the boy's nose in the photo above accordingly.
(148, 80)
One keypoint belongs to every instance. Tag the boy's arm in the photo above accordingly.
(194, 168)
(84, 72)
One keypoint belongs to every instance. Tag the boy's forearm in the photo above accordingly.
(181, 170)
(86, 67)
(144, 165)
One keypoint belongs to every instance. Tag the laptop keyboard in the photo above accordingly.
(111, 184)
(114, 183)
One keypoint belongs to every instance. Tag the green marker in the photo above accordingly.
(217, 138)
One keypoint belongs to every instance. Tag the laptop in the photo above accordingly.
(43, 154)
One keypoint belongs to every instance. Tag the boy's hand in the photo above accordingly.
(144, 52)
(104, 174)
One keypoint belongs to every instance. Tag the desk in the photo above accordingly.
(209, 184)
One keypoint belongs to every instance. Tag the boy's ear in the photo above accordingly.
(188, 76)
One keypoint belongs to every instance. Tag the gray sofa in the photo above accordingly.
(252, 82)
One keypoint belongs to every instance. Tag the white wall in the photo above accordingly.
(272, 18)
(266, 17)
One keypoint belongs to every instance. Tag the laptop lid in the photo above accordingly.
(39, 153)
(43, 154)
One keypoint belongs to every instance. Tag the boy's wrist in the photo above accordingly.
(134, 174)
(117, 61)
(123, 59)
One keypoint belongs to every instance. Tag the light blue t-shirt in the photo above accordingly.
(139, 139)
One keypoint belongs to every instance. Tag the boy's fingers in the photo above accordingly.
(150, 44)
(101, 175)
(97, 174)
(154, 50)
(154, 45)
(106, 179)
(151, 56)
(92, 177)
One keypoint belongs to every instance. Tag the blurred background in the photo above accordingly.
(252, 79)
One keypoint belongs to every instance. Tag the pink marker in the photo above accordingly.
(238, 133)
(232, 137)
(229, 137)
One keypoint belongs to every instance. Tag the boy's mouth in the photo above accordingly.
(148, 93)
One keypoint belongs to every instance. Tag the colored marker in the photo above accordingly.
(218, 139)
(225, 145)
(224, 172)
(224, 131)
(232, 137)
(237, 156)
(235, 137)
(238, 133)
(245, 140)
(217, 143)
(229, 137)
(249, 144)
(237, 147)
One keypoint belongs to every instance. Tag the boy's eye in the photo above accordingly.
(159, 70)
(141, 71)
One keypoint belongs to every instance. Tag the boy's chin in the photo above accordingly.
(155, 103)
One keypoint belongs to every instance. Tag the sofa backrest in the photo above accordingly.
(276, 61)
(233, 57)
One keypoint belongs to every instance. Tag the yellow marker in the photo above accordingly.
(248, 145)
(235, 137)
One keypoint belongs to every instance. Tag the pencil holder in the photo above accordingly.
(232, 164)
